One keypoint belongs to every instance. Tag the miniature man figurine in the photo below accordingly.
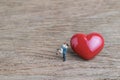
(63, 50)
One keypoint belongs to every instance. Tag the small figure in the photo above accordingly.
(63, 50)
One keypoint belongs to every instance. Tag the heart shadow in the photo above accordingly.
(73, 56)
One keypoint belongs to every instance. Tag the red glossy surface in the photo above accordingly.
(87, 46)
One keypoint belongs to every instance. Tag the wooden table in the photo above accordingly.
(32, 30)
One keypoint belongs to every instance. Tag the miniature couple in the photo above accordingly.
(63, 50)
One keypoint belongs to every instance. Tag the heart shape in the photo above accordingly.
(87, 46)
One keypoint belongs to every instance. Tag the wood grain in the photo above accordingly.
(32, 30)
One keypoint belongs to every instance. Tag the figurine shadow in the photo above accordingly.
(73, 55)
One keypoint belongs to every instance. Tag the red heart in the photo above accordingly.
(87, 46)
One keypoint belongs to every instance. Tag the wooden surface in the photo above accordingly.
(32, 30)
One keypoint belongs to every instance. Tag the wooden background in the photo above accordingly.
(32, 30)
